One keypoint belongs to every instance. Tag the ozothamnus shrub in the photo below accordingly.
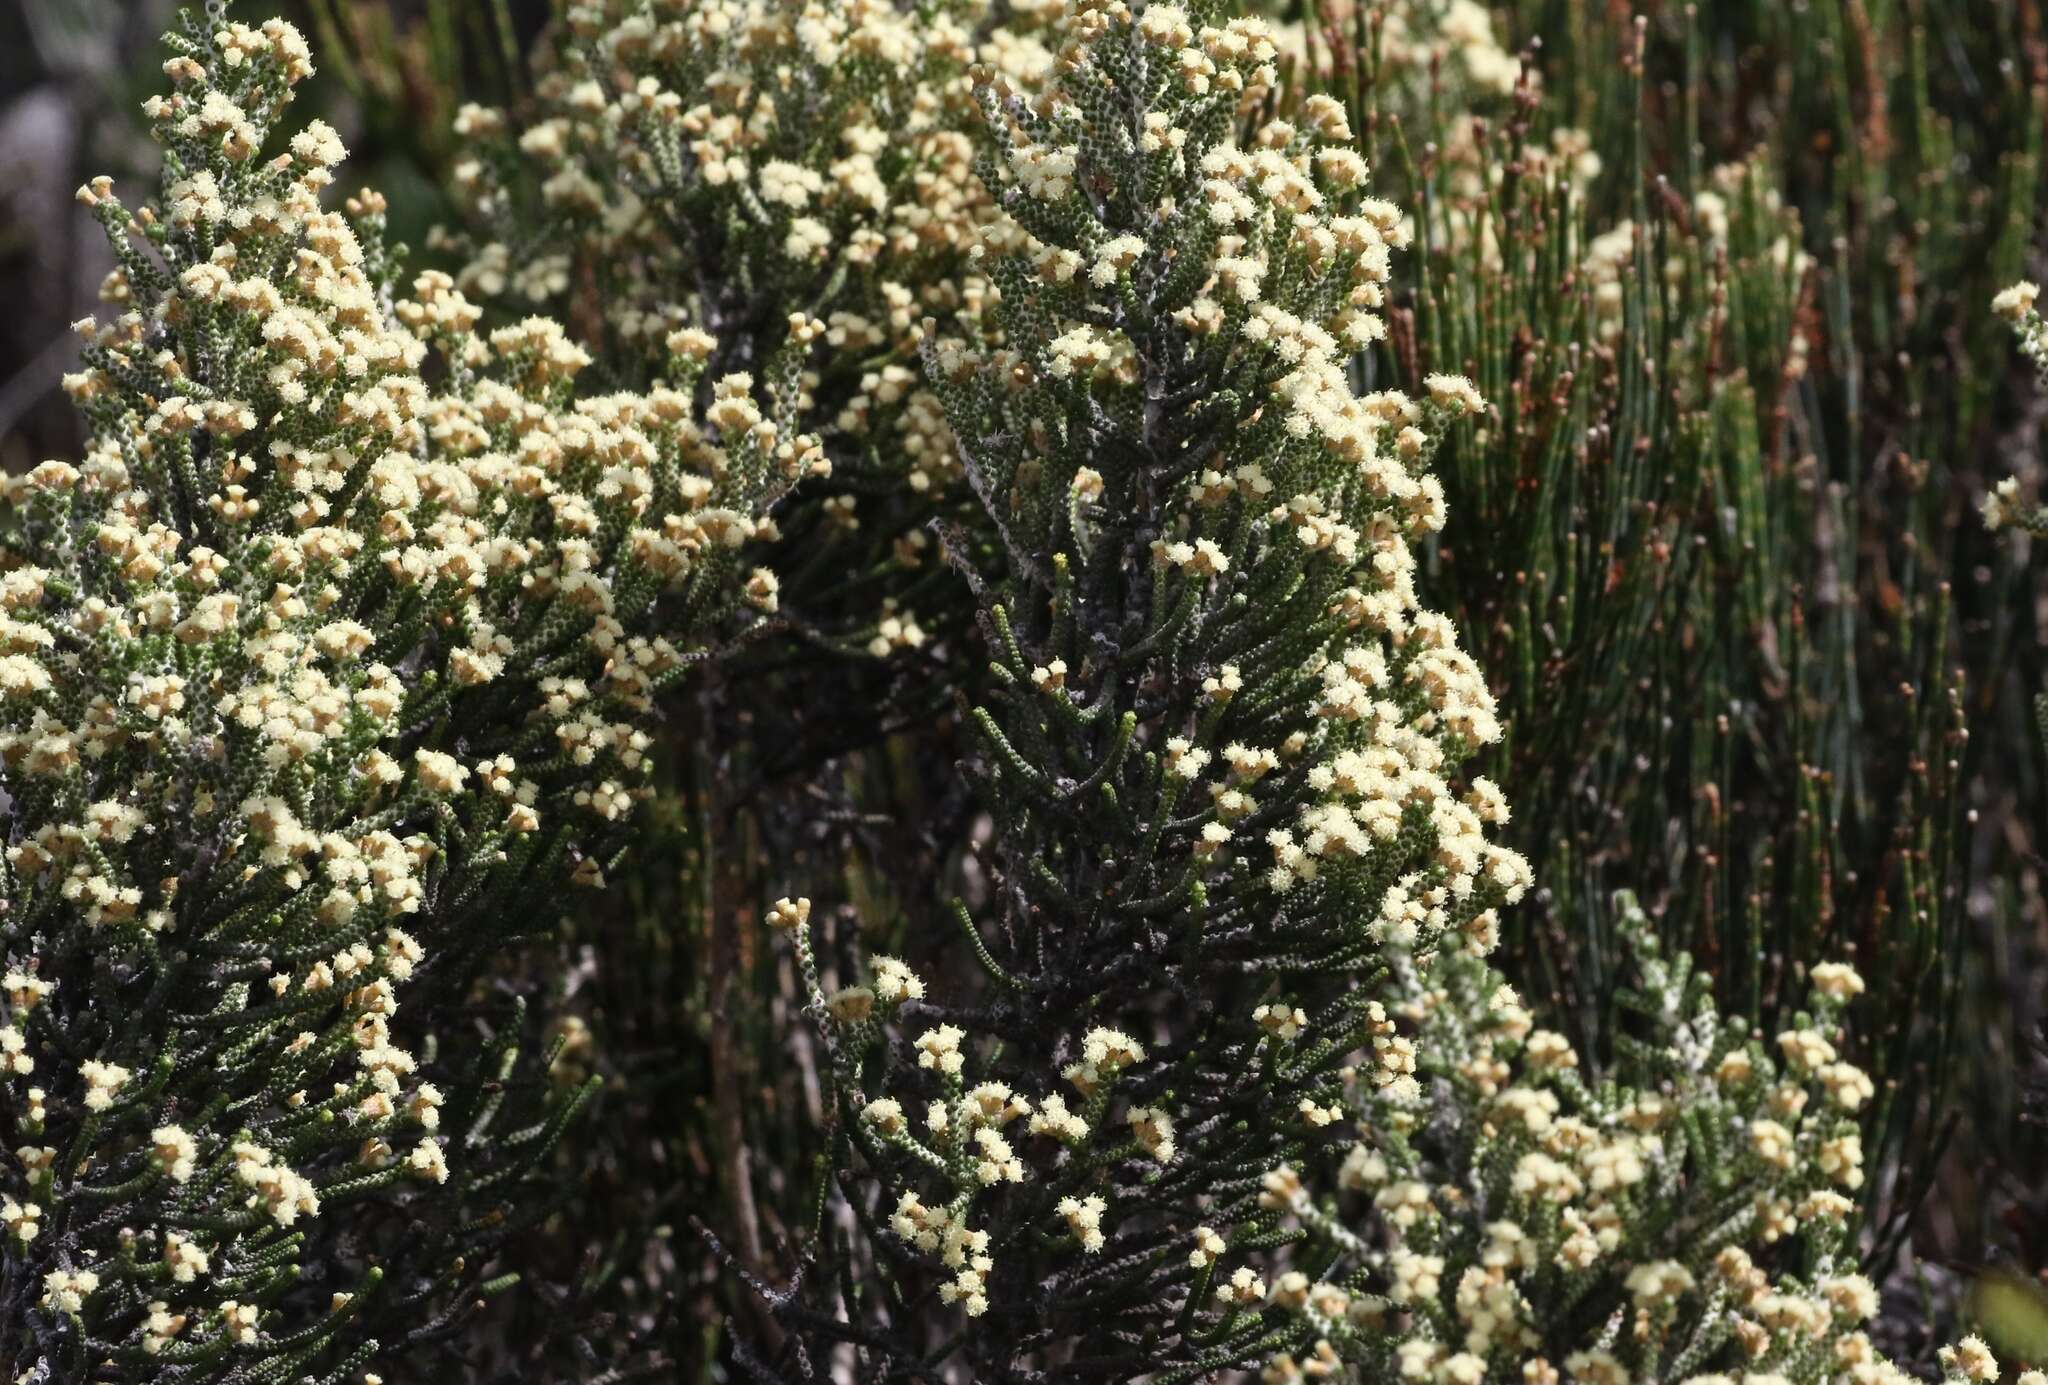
(338, 657)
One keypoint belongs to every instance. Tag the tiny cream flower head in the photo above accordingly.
(25, 992)
(1772, 1143)
(21, 1220)
(1111, 1049)
(67, 1290)
(1971, 1359)
(1084, 1220)
(175, 1151)
(185, 1260)
(1081, 351)
(997, 1161)
(2001, 505)
(1319, 1116)
(1548, 1049)
(1848, 1085)
(692, 344)
(1104, 1053)
(1184, 759)
(2016, 301)
(1290, 1290)
(1837, 980)
(1806, 1049)
(1658, 1282)
(939, 1049)
(851, 1004)
(439, 773)
(1280, 1189)
(885, 1114)
(102, 1080)
(425, 1106)
(1325, 115)
(1050, 677)
(1735, 1068)
(1455, 393)
(1053, 1118)
(1841, 1159)
(1153, 1130)
(1113, 257)
(1165, 26)
(14, 1057)
(787, 913)
(239, 1320)
(1244, 1288)
(426, 1162)
(1283, 1022)
(895, 982)
(1853, 1297)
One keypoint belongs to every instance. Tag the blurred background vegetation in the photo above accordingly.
(1759, 659)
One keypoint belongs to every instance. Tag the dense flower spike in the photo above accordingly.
(339, 640)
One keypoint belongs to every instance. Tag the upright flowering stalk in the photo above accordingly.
(319, 679)
(1222, 757)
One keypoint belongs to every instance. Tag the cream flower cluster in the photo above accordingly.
(977, 1138)
(1559, 1189)
(815, 151)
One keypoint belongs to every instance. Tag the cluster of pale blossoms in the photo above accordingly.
(977, 1137)
(709, 101)
(1417, 43)
(1578, 1187)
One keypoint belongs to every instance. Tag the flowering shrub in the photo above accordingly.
(1155, 417)
(337, 645)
